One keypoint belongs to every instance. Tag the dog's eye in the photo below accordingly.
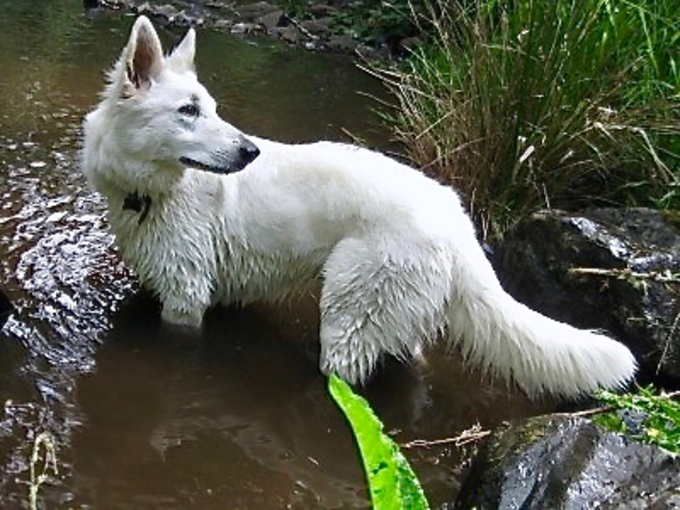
(190, 110)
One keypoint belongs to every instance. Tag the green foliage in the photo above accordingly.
(530, 104)
(392, 483)
(366, 20)
(659, 416)
(371, 20)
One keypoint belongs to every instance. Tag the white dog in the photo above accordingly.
(206, 215)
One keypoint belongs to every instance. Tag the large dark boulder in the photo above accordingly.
(612, 269)
(561, 461)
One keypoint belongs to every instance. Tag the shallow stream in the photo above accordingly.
(142, 416)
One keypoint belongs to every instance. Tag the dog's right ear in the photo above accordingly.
(182, 57)
(142, 58)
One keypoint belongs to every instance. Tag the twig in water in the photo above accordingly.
(471, 435)
(476, 433)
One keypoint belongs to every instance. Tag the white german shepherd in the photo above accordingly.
(207, 215)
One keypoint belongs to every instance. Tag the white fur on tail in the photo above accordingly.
(516, 343)
(207, 215)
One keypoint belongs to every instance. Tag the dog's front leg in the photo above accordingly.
(185, 301)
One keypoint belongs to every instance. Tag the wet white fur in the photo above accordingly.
(396, 253)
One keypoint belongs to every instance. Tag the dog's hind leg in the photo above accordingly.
(373, 303)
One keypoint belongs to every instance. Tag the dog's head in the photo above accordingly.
(162, 116)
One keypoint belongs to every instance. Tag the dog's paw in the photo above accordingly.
(189, 318)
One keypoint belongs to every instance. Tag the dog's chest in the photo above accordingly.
(192, 244)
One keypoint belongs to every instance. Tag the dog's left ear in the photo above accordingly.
(181, 59)
(140, 63)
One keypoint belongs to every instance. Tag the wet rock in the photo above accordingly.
(184, 20)
(342, 44)
(162, 14)
(612, 269)
(223, 24)
(272, 20)
(321, 10)
(315, 27)
(290, 34)
(218, 5)
(245, 28)
(252, 12)
(107, 4)
(560, 461)
(168, 15)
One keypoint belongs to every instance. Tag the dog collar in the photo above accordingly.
(141, 204)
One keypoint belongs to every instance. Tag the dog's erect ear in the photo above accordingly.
(142, 57)
(182, 57)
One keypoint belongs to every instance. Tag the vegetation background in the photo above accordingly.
(528, 104)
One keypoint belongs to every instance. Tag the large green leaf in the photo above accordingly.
(392, 483)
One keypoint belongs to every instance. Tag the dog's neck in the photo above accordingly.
(139, 203)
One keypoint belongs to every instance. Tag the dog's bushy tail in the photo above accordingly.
(507, 339)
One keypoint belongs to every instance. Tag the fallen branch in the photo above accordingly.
(471, 435)
(476, 432)
(625, 274)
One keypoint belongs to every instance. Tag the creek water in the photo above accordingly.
(141, 415)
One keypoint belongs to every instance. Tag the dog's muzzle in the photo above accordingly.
(224, 162)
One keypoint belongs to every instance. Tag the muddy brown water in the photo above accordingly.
(142, 415)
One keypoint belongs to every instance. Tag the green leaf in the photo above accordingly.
(661, 423)
(392, 483)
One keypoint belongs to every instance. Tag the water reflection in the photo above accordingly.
(235, 417)
(146, 416)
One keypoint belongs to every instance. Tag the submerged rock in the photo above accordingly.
(611, 269)
(561, 461)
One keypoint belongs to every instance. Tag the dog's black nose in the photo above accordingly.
(248, 151)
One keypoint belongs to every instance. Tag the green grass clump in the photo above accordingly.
(392, 483)
(658, 416)
(526, 104)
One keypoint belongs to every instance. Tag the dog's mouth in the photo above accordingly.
(215, 169)
(245, 154)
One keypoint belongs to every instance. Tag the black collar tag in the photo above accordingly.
(141, 204)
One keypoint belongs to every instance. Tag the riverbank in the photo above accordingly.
(339, 26)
